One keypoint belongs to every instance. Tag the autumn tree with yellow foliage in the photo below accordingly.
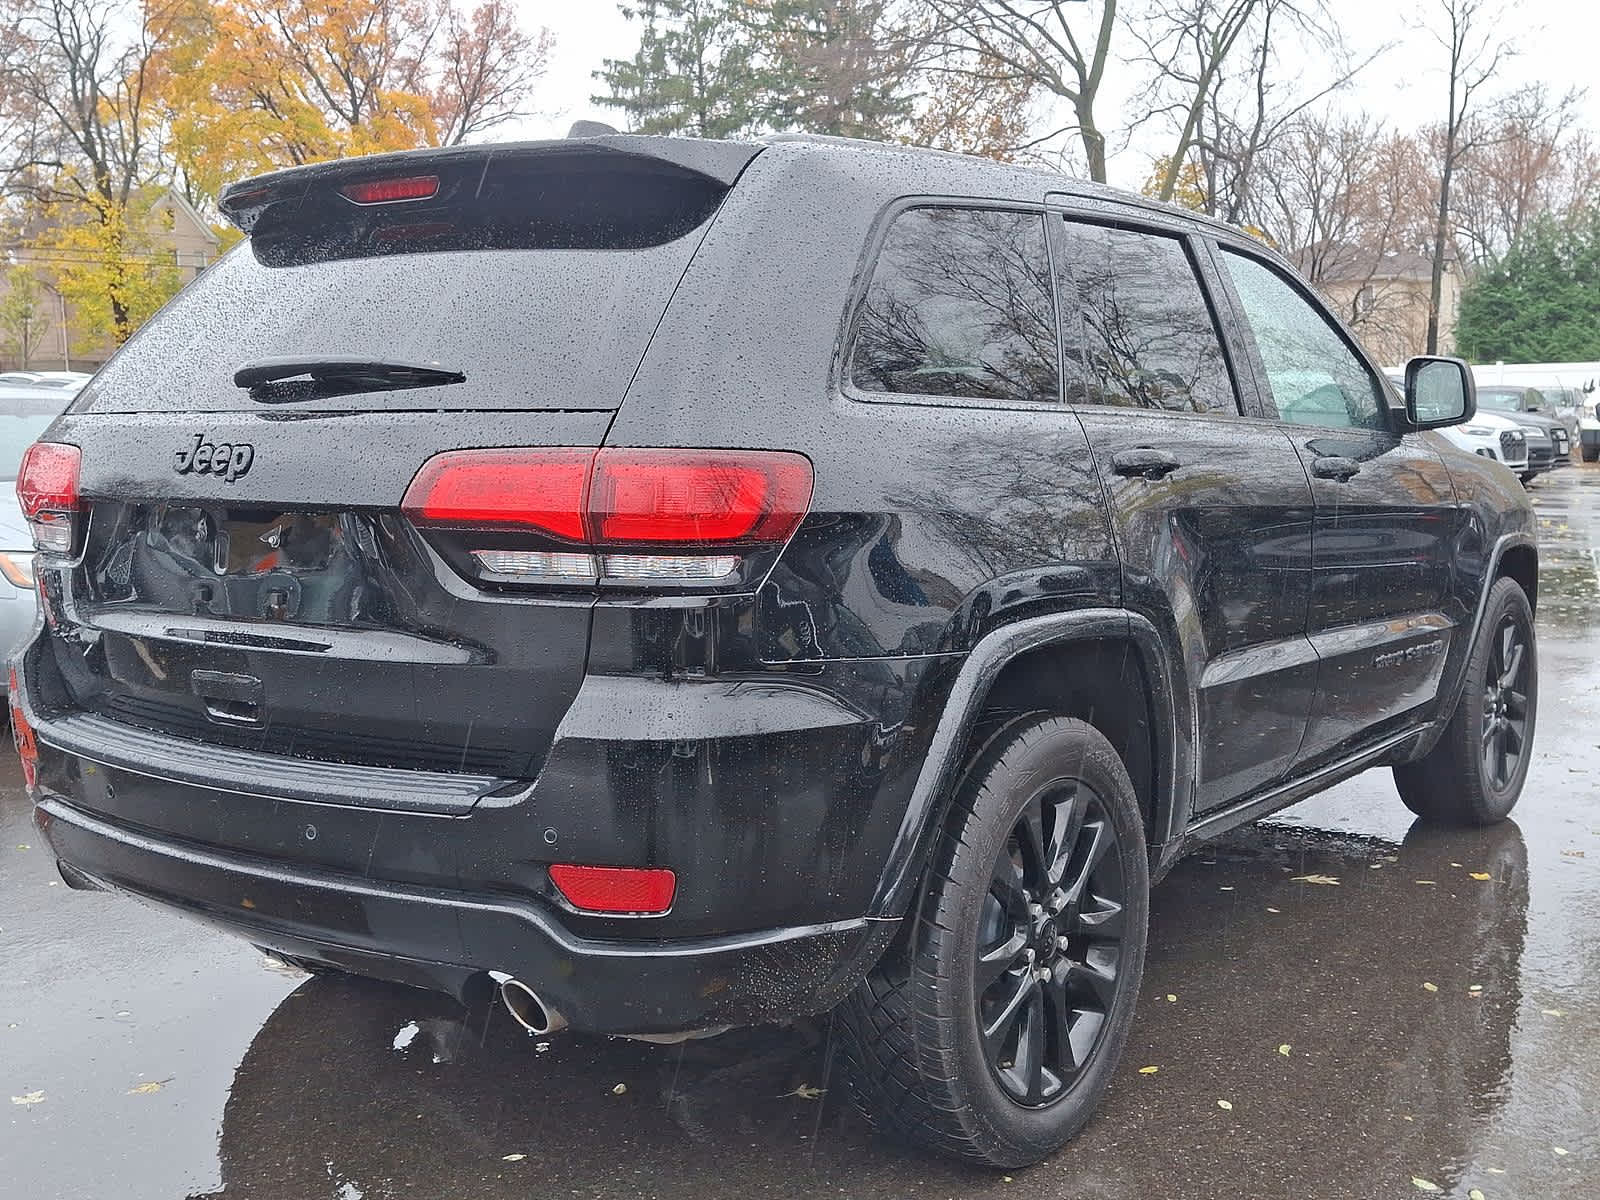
(252, 85)
(105, 104)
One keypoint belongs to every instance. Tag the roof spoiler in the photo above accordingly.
(722, 162)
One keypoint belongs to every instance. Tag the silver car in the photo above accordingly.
(24, 413)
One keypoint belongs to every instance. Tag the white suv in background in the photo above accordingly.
(1487, 434)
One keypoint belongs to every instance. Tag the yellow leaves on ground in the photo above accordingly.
(1225, 1105)
(620, 1090)
(1284, 1049)
(1430, 987)
(1171, 999)
(805, 1092)
(1480, 876)
(1475, 1194)
(512, 1157)
(28, 1098)
(1425, 1185)
(150, 1087)
(1327, 880)
(1148, 1070)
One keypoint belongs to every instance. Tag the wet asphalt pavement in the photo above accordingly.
(1411, 1024)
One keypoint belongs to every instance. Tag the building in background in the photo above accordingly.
(184, 235)
(1383, 296)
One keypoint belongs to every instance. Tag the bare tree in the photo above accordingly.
(1255, 102)
(1059, 47)
(1466, 31)
(1521, 154)
(1187, 43)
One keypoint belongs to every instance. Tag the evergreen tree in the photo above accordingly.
(839, 67)
(694, 72)
(1541, 302)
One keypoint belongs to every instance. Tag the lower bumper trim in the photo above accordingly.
(448, 941)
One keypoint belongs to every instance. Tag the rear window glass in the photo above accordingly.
(543, 303)
(959, 305)
(1143, 336)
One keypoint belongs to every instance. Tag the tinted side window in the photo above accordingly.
(1316, 379)
(959, 305)
(1143, 336)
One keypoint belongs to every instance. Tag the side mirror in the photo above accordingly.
(1439, 392)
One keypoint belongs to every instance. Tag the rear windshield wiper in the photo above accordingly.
(289, 378)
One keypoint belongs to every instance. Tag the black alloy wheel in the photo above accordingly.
(1050, 944)
(1505, 703)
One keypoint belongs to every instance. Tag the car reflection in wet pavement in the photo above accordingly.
(1338, 1003)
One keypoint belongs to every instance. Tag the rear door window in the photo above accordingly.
(1139, 333)
(959, 305)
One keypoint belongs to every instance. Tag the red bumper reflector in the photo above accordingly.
(634, 890)
(22, 734)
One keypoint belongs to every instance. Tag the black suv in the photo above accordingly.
(692, 584)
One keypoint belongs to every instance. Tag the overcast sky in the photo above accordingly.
(1556, 42)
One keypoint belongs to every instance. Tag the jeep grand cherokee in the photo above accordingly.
(689, 584)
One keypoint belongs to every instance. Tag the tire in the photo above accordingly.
(1041, 788)
(1475, 773)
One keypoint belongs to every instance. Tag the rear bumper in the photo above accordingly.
(449, 941)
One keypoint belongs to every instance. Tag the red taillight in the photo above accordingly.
(637, 891)
(22, 734)
(600, 505)
(47, 491)
(390, 191)
(697, 497)
(545, 490)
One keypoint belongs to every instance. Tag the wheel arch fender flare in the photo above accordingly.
(934, 789)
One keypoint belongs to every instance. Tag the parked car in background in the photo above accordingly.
(1589, 427)
(1488, 435)
(69, 381)
(678, 584)
(24, 415)
(1549, 445)
(1564, 404)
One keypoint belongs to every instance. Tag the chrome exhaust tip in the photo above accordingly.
(526, 1007)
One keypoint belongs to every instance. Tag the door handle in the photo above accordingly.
(1145, 462)
(1331, 467)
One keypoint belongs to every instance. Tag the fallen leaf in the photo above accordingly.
(149, 1087)
(1559, 1151)
(1480, 876)
(24, 846)
(1477, 987)
(1391, 858)
(1273, 910)
(1148, 1070)
(1495, 1170)
(1475, 1194)
(1425, 1185)
(1284, 1049)
(1429, 882)
(1552, 1012)
(1225, 1105)
(29, 1098)
(1325, 879)
(1171, 999)
(1005, 1179)
(1430, 987)
(1573, 853)
(1224, 889)
(512, 1157)
(1375, 866)
(1455, 864)
(805, 1091)
(619, 1089)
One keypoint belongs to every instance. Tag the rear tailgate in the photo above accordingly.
(245, 577)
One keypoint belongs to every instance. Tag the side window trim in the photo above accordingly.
(1292, 278)
(1238, 344)
(1107, 216)
(861, 284)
